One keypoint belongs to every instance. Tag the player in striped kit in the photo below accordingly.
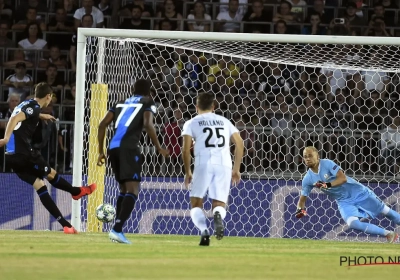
(130, 117)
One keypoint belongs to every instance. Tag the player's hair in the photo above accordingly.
(42, 89)
(142, 87)
(205, 101)
(312, 148)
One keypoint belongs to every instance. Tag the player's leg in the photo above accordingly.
(395, 217)
(219, 192)
(127, 206)
(200, 182)
(43, 170)
(122, 192)
(351, 214)
(47, 201)
(113, 157)
(60, 183)
(44, 196)
(199, 219)
(129, 170)
(32, 174)
(374, 206)
(391, 214)
(219, 213)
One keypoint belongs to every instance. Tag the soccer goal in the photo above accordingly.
(284, 92)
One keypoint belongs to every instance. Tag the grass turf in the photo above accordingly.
(54, 255)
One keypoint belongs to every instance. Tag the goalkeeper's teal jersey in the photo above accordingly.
(352, 191)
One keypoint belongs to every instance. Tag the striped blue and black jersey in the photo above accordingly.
(21, 138)
(128, 121)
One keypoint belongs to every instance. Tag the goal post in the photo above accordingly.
(274, 131)
(96, 174)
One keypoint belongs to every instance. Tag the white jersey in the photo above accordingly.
(212, 134)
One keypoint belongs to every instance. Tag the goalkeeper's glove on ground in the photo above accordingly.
(300, 213)
(323, 185)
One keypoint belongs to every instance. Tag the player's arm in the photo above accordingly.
(301, 204)
(301, 207)
(239, 150)
(148, 125)
(339, 180)
(12, 123)
(306, 188)
(101, 134)
(186, 157)
(47, 117)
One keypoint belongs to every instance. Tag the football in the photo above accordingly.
(105, 213)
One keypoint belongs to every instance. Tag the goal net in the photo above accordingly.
(339, 94)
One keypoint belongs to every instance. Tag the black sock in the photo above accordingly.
(127, 206)
(59, 183)
(49, 204)
(119, 203)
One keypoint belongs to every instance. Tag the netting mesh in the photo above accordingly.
(342, 99)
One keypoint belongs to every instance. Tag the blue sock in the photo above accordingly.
(394, 216)
(367, 228)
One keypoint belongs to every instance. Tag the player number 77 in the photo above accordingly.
(125, 107)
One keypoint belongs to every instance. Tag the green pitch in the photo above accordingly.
(54, 255)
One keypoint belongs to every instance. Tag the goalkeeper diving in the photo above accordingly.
(354, 200)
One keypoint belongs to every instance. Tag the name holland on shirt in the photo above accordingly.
(211, 123)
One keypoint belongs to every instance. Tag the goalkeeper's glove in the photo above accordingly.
(300, 213)
(323, 185)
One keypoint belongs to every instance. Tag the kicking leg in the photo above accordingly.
(60, 183)
(219, 212)
(199, 220)
(32, 171)
(49, 204)
(355, 223)
(127, 205)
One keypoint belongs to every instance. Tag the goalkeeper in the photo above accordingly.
(354, 200)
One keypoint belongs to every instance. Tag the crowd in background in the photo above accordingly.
(352, 116)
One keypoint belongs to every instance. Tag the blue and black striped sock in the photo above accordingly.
(119, 203)
(49, 204)
(59, 183)
(127, 206)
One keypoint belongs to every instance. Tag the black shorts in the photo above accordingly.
(28, 168)
(126, 164)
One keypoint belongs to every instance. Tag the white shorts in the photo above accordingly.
(214, 178)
